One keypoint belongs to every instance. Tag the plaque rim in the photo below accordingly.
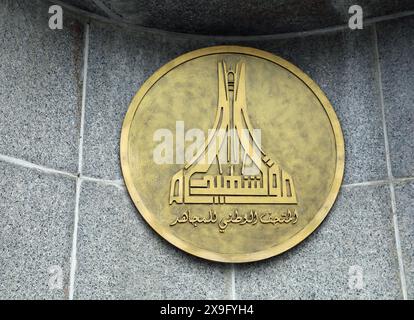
(233, 257)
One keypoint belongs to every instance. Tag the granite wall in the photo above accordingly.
(64, 209)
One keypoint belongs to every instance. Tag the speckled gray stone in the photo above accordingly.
(121, 257)
(40, 92)
(343, 65)
(36, 227)
(404, 195)
(396, 48)
(357, 232)
(245, 17)
(119, 63)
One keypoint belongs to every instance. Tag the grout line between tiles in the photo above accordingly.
(366, 183)
(116, 183)
(397, 180)
(233, 282)
(73, 258)
(84, 86)
(31, 165)
(399, 252)
(26, 164)
(389, 168)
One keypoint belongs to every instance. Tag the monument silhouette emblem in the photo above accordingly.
(231, 167)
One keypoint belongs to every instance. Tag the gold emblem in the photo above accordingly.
(232, 130)
(232, 154)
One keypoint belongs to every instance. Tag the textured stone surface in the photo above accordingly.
(36, 226)
(119, 63)
(86, 5)
(404, 194)
(396, 47)
(245, 17)
(120, 257)
(357, 232)
(345, 70)
(40, 92)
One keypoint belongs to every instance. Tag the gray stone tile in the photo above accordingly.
(36, 227)
(396, 45)
(40, 92)
(345, 70)
(119, 63)
(404, 194)
(121, 257)
(358, 232)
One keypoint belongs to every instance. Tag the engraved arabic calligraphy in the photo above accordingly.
(252, 218)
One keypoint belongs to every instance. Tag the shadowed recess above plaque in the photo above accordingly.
(244, 17)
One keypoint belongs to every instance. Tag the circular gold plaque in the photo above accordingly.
(232, 154)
